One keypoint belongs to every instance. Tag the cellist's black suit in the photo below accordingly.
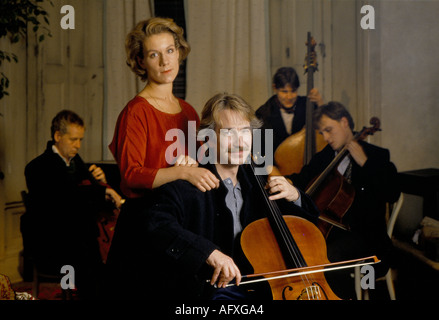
(375, 184)
(176, 235)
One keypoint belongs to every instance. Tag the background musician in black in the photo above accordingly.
(60, 224)
(285, 111)
(373, 176)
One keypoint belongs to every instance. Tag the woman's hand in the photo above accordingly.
(202, 178)
(185, 161)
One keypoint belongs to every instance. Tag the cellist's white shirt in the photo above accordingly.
(343, 164)
(288, 120)
(55, 150)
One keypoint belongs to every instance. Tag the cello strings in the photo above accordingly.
(291, 246)
(294, 254)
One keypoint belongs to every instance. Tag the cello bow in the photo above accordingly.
(280, 274)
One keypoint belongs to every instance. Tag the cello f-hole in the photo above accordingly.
(290, 288)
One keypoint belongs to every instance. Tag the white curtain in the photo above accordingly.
(230, 50)
(121, 84)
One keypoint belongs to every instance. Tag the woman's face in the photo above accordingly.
(287, 97)
(161, 58)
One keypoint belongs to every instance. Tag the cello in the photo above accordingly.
(289, 242)
(331, 192)
(298, 149)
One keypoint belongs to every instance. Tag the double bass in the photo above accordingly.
(298, 149)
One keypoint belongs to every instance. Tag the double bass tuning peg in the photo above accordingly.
(311, 56)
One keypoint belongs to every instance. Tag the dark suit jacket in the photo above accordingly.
(375, 184)
(59, 226)
(181, 230)
(270, 115)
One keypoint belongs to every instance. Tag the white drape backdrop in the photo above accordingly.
(121, 84)
(230, 50)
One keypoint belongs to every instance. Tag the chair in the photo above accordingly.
(389, 276)
(39, 277)
(48, 278)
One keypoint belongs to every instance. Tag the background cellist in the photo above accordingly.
(190, 236)
(374, 177)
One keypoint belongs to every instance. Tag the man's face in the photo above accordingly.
(235, 138)
(286, 95)
(335, 133)
(68, 144)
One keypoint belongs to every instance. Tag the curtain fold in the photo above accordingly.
(121, 84)
(230, 50)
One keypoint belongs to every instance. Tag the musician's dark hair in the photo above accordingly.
(284, 76)
(335, 111)
(62, 120)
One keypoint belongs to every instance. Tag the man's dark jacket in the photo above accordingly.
(59, 226)
(184, 226)
(375, 184)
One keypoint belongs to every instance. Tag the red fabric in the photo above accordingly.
(106, 225)
(139, 143)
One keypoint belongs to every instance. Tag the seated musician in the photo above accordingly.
(373, 176)
(60, 224)
(189, 240)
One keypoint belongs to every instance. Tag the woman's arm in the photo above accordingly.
(201, 178)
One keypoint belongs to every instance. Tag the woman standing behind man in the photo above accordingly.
(155, 48)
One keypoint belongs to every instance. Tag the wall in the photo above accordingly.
(12, 158)
(409, 75)
(409, 80)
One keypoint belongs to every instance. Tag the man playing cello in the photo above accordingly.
(192, 236)
(374, 178)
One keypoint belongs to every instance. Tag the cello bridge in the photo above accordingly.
(310, 293)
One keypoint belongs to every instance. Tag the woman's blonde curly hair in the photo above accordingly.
(134, 43)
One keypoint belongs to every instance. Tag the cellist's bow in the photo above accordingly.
(295, 272)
